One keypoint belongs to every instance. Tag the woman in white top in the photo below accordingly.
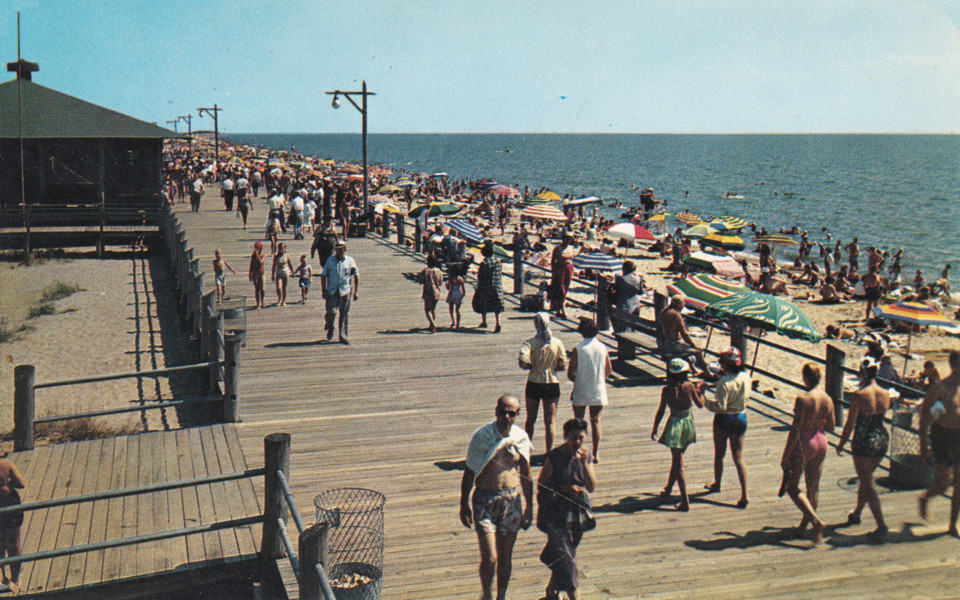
(588, 370)
(730, 420)
(543, 355)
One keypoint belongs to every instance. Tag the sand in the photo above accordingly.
(111, 326)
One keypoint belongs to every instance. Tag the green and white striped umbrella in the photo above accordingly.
(767, 312)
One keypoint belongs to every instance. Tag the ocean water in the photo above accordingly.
(891, 191)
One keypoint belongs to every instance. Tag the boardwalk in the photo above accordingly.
(394, 411)
(124, 462)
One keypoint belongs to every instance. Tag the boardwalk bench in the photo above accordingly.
(627, 342)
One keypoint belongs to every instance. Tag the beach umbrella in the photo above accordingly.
(486, 184)
(405, 183)
(503, 190)
(582, 201)
(702, 289)
(389, 188)
(688, 218)
(537, 200)
(722, 240)
(435, 208)
(720, 265)
(728, 223)
(466, 229)
(543, 211)
(699, 231)
(659, 217)
(777, 239)
(916, 313)
(767, 312)
(597, 261)
(276, 172)
(439, 175)
(498, 251)
(630, 231)
(548, 196)
(381, 207)
(377, 198)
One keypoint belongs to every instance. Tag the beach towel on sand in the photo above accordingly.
(487, 441)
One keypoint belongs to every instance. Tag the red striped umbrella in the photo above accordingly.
(543, 211)
(917, 313)
(630, 231)
(503, 190)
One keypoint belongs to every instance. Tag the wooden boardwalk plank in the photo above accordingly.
(67, 533)
(221, 503)
(212, 544)
(190, 497)
(173, 503)
(124, 451)
(90, 525)
(233, 491)
(52, 521)
(248, 492)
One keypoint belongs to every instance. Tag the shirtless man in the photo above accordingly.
(853, 250)
(10, 481)
(940, 440)
(871, 290)
(498, 463)
(676, 338)
(806, 448)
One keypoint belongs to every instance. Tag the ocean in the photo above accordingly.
(890, 191)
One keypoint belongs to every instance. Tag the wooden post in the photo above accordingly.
(603, 302)
(276, 457)
(833, 379)
(401, 228)
(736, 336)
(384, 223)
(312, 548)
(417, 236)
(517, 271)
(23, 406)
(205, 342)
(231, 379)
(659, 305)
(216, 352)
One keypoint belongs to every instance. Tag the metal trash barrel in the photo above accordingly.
(355, 541)
(906, 466)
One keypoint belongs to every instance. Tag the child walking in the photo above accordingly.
(304, 273)
(456, 294)
(219, 275)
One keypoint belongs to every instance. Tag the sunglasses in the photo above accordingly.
(508, 413)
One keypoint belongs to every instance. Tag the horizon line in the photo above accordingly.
(877, 133)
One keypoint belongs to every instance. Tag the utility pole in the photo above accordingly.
(174, 123)
(362, 107)
(189, 120)
(213, 112)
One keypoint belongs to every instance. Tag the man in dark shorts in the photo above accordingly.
(871, 290)
(676, 339)
(940, 439)
(498, 464)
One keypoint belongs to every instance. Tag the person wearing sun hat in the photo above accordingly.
(680, 395)
(730, 419)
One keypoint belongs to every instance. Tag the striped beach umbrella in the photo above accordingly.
(777, 239)
(702, 289)
(548, 196)
(728, 223)
(723, 240)
(659, 217)
(720, 265)
(630, 231)
(917, 313)
(503, 190)
(537, 200)
(435, 208)
(543, 211)
(466, 229)
(597, 261)
(699, 231)
(389, 189)
(688, 218)
(382, 207)
(767, 312)
(486, 184)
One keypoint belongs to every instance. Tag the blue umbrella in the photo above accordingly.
(466, 229)
(597, 261)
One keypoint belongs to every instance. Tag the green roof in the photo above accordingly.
(50, 114)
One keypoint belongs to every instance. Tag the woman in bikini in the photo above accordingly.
(806, 448)
(282, 269)
(865, 421)
(257, 272)
(680, 395)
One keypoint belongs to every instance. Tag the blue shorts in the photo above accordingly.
(734, 424)
(305, 283)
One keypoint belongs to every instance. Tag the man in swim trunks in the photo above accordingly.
(676, 339)
(498, 464)
(940, 439)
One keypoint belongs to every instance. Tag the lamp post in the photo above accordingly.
(362, 107)
(213, 112)
(174, 123)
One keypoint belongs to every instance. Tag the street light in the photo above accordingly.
(213, 112)
(362, 107)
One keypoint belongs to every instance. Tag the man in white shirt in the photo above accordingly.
(339, 284)
(226, 188)
(296, 209)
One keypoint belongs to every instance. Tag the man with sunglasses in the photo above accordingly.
(498, 464)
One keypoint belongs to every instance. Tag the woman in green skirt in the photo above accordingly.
(680, 395)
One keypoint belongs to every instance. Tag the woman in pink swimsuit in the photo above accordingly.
(806, 448)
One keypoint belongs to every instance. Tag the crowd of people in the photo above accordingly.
(497, 488)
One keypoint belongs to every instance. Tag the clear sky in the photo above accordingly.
(710, 66)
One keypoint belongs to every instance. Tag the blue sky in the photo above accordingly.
(520, 66)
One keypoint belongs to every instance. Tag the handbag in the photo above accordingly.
(587, 521)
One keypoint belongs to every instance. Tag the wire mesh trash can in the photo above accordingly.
(355, 541)
(906, 466)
